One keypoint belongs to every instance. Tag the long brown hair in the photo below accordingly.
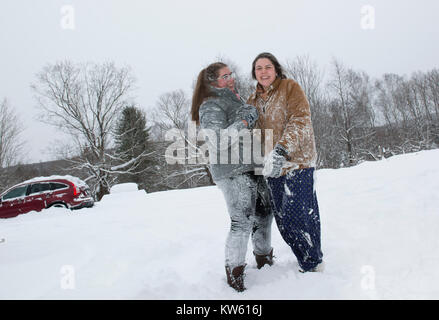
(202, 91)
(278, 68)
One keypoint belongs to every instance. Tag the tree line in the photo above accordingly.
(113, 140)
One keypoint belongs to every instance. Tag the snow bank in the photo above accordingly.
(124, 187)
(121, 193)
(379, 240)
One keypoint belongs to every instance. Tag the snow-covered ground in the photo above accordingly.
(379, 240)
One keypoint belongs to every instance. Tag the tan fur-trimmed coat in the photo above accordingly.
(285, 109)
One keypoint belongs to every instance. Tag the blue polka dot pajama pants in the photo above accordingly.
(296, 212)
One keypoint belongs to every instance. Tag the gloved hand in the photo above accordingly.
(250, 115)
(275, 161)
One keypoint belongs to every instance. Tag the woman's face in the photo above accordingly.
(225, 79)
(265, 72)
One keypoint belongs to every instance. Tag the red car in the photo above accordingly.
(45, 192)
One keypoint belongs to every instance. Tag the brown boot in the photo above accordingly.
(262, 260)
(235, 278)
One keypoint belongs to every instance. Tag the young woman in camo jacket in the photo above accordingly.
(216, 106)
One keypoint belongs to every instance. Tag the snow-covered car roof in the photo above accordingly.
(75, 180)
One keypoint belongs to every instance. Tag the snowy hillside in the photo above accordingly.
(379, 240)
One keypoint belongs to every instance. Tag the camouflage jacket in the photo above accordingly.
(221, 120)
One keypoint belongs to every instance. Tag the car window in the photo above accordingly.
(45, 187)
(35, 188)
(39, 187)
(56, 186)
(15, 193)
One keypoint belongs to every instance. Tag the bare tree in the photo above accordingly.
(10, 136)
(410, 109)
(351, 110)
(171, 111)
(84, 100)
(11, 144)
(310, 77)
(433, 90)
(172, 115)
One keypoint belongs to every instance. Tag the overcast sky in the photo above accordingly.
(166, 43)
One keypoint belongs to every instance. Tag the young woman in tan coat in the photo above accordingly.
(290, 166)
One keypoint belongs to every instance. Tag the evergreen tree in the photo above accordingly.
(132, 139)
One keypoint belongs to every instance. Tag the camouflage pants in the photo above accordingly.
(248, 204)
